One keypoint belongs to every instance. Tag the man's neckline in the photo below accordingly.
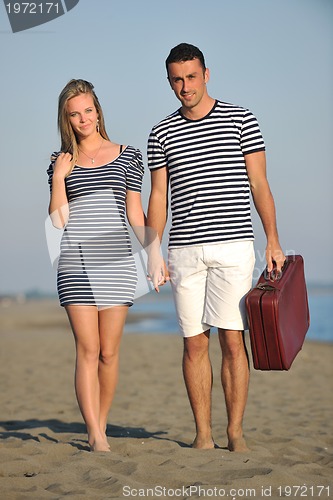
(198, 119)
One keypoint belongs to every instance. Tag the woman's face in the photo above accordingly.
(82, 115)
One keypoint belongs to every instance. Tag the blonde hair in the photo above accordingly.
(69, 142)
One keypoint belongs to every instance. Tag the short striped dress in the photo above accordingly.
(96, 265)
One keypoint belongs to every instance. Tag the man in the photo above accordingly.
(213, 155)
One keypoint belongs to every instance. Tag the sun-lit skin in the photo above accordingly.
(188, 80)
(82, 115)
(97, 331)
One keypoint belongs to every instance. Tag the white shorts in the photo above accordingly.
(209, 284)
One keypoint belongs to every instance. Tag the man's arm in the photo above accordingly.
(156, 221)
(265, 206)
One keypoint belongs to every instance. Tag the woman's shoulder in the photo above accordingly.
(54, 156)
(134, 151)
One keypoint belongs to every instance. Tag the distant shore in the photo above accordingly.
(36, 294)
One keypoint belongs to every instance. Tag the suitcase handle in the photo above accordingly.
(266, 287)
(273, 275)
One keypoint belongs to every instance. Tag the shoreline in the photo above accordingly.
(47, 313)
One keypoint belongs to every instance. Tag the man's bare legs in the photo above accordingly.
(97, 338)
(235, 381)
(198, 378)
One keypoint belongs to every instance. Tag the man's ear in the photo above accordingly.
(207, 75)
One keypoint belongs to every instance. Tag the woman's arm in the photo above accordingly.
(148, 238)
(135, 215)
(58, 207)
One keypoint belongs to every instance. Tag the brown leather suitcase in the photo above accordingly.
(278, 316)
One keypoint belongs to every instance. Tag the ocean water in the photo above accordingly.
(155, 313)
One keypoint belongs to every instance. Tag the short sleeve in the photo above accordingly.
(135, 172)
(49, 171)
(251, 138)
(155, 152)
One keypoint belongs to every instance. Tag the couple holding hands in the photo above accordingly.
(212, 156)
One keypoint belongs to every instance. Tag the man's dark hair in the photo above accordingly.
(185, 52)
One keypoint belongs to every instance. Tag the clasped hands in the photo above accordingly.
(157, 270)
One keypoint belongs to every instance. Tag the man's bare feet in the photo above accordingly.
(238, 445)
(203, 444)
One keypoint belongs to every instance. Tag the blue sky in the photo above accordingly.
(274, 57)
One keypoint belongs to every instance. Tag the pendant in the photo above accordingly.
(92, 160)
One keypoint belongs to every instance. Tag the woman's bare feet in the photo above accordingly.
(99, 443)
(99, 446)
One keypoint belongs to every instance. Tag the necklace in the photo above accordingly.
(95, 155)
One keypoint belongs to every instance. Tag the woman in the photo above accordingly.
(94, 184)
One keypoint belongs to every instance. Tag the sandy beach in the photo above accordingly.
(43, 448)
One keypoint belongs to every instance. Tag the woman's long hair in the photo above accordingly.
(69, 142)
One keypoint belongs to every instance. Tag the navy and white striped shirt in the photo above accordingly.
(210, 191)
(96, 265)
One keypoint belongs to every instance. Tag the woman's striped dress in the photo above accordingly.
(96, 265)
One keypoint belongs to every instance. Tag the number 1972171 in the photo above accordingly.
(32, 8)
(304, 491)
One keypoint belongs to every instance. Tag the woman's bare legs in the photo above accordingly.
(111, 325)
(97, 342)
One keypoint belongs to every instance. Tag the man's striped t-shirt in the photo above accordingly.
(210, 191)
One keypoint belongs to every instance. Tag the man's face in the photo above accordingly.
(188, 81)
